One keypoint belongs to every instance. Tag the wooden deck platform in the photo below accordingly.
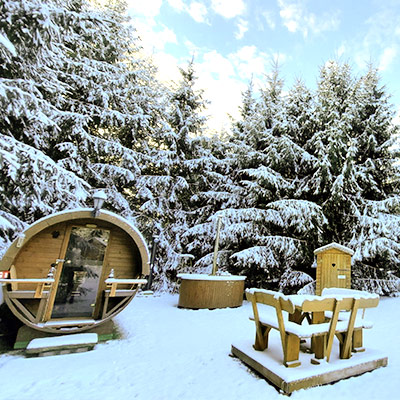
(268, 363)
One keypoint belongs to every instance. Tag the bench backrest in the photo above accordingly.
(270, 298)
(274, 299)
(327, 304)
(347, 297)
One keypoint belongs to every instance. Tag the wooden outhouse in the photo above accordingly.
(333, 267)
(73, 270)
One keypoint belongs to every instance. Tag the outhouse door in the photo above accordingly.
(81, 270)
(336, 267)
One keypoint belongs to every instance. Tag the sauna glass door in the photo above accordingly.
(81, 271)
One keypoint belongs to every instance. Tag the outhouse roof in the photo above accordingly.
(335, 246)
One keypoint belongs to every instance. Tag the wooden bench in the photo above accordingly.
(268, 307)
(290, 332)
(43, 286)
(113, 290)
(353, 306)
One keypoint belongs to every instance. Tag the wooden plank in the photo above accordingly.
(25, 294)
(120, 304)
(52, 297)
(41, 310)
(126, 281)
(13, 275)
(292, 350)
(62, 344)
(69, 322)
(318, 343)
(27, 280)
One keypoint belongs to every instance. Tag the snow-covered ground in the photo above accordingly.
(170, 353)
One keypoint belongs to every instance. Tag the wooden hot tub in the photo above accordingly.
(210, 291)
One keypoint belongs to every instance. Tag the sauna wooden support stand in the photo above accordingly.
(42, 293)
(203, 291)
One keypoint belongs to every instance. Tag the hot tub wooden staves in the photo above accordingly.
(70, 271)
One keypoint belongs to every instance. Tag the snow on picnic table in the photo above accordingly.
(171, 353)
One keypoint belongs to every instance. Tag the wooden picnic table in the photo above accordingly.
(322, 314)
(350, 301)
(313, 316)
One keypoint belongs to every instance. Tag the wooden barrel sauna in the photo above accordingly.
(71, 271)
(210, 291)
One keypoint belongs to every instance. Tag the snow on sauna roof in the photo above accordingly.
(335, 246)
(102, 213)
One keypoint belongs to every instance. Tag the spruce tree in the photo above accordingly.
(264, 227)
(171, 176)
(80, 106)
(354, 179)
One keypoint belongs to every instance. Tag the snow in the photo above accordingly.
(335, 246)
(204, 277)
(7, 44)
(64, 340)
(171, 353)
(126, 281)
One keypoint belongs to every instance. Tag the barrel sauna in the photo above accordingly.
(71, 271)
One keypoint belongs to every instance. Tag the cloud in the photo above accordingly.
(178, 5)
(250, 63)
(243, 27)
(341, 50)
(296, 18)
(168, 69)
(147, 8)
(198, 11)
(222, 87)
(380, 42)
(228, 8)
(154, 39)
(269, 19)
(215, 64)
(387, 57)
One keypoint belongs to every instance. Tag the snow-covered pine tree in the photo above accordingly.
(355, 180)
(376, 236)
(31, 183)
(171, 174)
(78, 106)
(264, 228)
(213, 190)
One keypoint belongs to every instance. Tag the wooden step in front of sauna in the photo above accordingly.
(64, 344)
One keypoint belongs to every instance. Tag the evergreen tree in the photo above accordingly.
(171, 175)
(264, 227)
(354, 178)
(79, 107)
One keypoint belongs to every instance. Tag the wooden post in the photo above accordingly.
(215, 267)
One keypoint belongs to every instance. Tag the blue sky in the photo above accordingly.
(233, 41)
